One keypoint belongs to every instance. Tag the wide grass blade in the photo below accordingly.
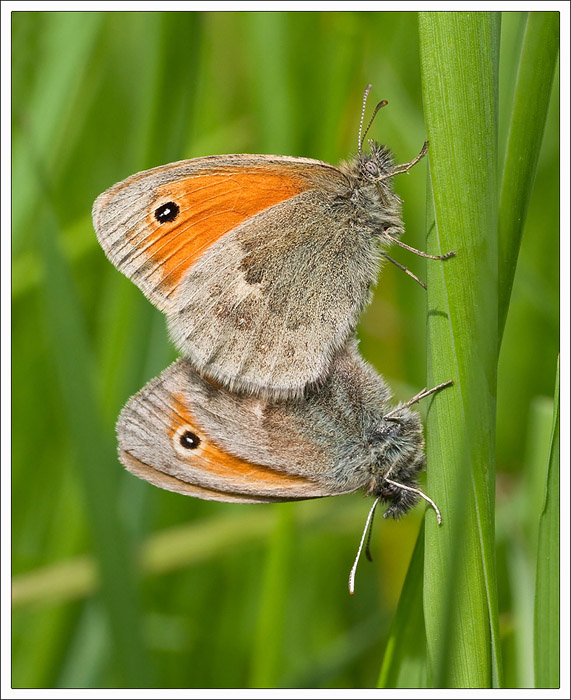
(459, 59)
(546, 632)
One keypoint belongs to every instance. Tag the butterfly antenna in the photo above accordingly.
(368, 545)
(420, 493)
(415, 399)
(366, 94)
(354, 568)
(383, 103)
(361, 134)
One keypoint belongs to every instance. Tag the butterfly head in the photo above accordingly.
(377, 165)
(398, 447)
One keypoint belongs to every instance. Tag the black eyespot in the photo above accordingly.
(189, 440)
(371, 167)
(167, 212)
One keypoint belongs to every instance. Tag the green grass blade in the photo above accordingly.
(535, 79)
(275, 584)
(513, 32)
(267, 32)
(517, 521)
(459, 59)
(404, 662)
(50, 120)
(95, 459)
(546, 631)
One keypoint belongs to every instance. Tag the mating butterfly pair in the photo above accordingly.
(263, 265)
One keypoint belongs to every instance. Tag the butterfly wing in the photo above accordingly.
(266, 308)
(156, 224)
(182, 434)
(262, 272)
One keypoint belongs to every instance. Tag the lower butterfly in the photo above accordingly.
(185, 434)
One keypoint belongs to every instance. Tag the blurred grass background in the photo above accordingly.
(117, 583)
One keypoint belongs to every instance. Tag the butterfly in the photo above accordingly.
(262, 264)
(184, 434)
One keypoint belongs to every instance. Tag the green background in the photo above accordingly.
(116, 583)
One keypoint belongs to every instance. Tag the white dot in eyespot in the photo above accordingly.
(187, 442)
(167, 212)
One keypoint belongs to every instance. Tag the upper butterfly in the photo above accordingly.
(261, 263)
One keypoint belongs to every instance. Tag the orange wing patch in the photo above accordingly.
(221, 463)
(209, 207)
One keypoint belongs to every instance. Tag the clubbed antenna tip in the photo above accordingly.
(377, 108)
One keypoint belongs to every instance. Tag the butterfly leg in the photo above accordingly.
(405, 167)
(404, 269)
(445, 256)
